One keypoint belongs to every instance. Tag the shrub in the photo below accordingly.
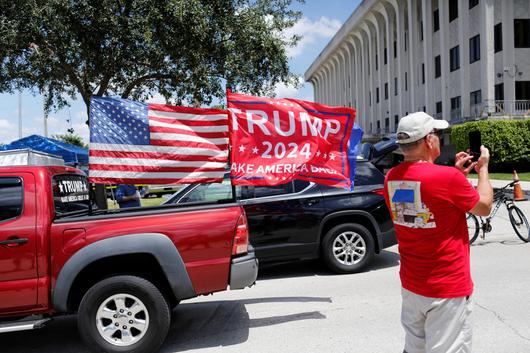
(507, 140)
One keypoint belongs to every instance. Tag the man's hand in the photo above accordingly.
(483, 160)
(461, 159)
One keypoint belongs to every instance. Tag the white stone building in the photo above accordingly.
(456, 60)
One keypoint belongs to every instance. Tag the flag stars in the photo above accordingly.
(242, 148)
(255, 150)
(331, 157)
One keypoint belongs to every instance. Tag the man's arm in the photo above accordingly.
(484, 189)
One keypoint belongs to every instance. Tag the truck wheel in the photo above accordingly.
(124, 314)
(347, 248)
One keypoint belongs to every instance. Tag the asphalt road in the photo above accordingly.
(304, 308)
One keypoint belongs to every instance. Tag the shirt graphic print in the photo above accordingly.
(407, 207)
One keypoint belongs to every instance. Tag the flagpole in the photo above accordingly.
(19, 114)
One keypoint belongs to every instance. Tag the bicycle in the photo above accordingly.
(517, 218)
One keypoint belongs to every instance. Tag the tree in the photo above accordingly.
(184, 50)
(72, 139)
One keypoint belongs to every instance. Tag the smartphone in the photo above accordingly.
(474, 144)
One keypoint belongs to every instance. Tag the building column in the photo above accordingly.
(343, 78)
(508, 49)
(350, 72)
(399, 72)
(378, 106)
(443, 9)
(463, 38)
(363, 73)
(368, 55)
(356, 85)
(412, 40)
(389, 25)
(426, 10)
(488, 59)
(326, 84)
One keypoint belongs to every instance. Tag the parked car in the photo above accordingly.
(121, 271)
(301, 220)
(158, 190)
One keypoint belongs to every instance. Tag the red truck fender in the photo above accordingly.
(155, 244)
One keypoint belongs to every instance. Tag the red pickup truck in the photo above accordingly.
(121, 271)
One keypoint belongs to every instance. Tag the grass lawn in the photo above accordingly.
(151, 201)
(505, 176)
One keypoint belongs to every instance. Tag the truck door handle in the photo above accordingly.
(14, 241)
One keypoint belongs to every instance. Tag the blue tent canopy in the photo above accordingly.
(70, 153)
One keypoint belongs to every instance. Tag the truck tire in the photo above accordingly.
(347, 248)
(124, 314)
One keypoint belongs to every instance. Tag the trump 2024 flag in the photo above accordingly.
(277, 140)
(133, 142)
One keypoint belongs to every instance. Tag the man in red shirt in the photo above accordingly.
(428, 203)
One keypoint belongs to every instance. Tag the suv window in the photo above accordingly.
(367, 174)
(300, 185)
(209, 192)
(70, 193)
(10, 198)
(250, 192)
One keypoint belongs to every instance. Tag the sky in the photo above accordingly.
(320, 21)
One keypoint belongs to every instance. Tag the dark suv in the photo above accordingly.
(301, 220)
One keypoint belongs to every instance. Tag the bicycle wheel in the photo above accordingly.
(519, 223)
(473, 227)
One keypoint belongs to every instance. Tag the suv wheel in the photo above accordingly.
(124, 314)
(347, 248)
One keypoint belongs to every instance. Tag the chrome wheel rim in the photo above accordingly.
(122, 320)
(349, 248)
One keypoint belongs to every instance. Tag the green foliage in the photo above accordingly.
(507, 140)
(72, 139)
(184, 50)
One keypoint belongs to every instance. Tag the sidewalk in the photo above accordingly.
(497, 184)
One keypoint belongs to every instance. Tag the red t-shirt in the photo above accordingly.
(428, 204)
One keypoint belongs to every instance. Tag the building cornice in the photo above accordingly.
(338, 39)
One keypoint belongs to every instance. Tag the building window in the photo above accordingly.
(376, 63)
(396, 120)
(435, 20)
(473, 3)
(438, 114)
(377, 95)
(453, 10)
(497, 37)
(522, 90)
(455, 107)
(406, 82)
(424, 109)
(421, 31)
(521, 31)
(499, 92)
(395, 49)
(475, 97)
(387, 125)
(406, 39)
(454, 58)
(385, 57)
(423, 73)
(386, 90)
(474, 49)
(370, 98)
(395, 86)
(437, 67)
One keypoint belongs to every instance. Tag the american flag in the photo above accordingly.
(133, 142)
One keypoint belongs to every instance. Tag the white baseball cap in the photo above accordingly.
(416, 126)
